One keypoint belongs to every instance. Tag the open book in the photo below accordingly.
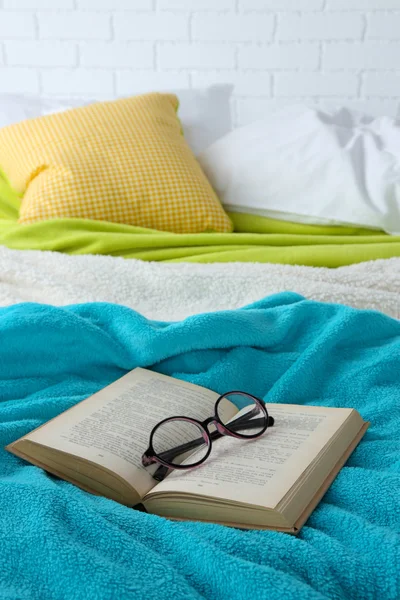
(273, 482)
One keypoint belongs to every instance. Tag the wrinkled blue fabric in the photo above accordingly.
(59, 542)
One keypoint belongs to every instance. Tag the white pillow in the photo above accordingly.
(205, 114)
(18, 107)
(309, 166)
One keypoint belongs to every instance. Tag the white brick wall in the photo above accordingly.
(274, 52)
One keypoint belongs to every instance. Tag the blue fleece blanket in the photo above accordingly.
(59, 542)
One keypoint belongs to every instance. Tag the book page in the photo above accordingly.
(112, 428)
(261, 471)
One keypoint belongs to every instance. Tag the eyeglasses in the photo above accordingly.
(184, 443)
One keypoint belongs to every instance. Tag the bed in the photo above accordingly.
(78, 299)
(72, 324)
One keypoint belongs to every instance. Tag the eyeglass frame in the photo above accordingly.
(150, 457)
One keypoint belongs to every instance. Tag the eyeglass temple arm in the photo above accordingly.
(169, 455)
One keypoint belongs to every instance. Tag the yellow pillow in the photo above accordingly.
(124, 161)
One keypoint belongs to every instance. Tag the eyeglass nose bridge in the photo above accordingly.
(214, 421)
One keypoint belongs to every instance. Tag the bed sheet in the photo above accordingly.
(173, 291)
(278, 242)
(60, 542)
(256, 239)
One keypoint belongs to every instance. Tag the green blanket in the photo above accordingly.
(256, 239)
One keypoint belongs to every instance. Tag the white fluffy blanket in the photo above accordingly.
(173, 291)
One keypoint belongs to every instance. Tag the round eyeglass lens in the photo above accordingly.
(180, 442)
(249, 421)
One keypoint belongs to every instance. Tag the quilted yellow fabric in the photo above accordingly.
(124, 161)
